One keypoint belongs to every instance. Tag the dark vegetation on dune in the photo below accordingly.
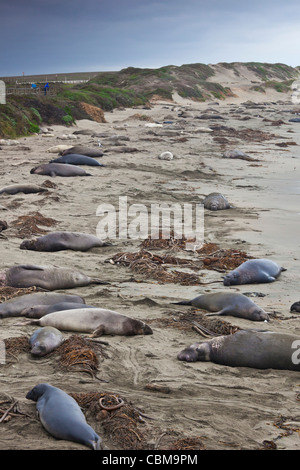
(130, 87)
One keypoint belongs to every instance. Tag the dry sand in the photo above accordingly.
(227, 408)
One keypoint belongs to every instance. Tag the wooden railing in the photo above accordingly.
(30, 91)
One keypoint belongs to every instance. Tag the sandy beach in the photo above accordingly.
(220, 407)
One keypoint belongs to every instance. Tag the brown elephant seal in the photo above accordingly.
(45, 340)
(254, 271)
(216, 202)
(248, 348)
(295, 307)
(228, 303)
(62, 417)
(77, 159)
(38, 311)
(22, 188)
(83, 150)
(57, 241)
(46, 277)
(14, 307)
(97, 321)
(59, 169)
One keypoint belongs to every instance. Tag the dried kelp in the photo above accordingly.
(80, 351)
(171, 242)
(173, 440)
(121, 423)
(7, 292)
(15, 346)
(28, 225)
(156, 267)
(198, 321)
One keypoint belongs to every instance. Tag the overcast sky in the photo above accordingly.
(56, 36)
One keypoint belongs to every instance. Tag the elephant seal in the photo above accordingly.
(59, 169)
(14, 307)
(295, 307)
(62, 417)
(77, 159)
(229, 303)
(22, 188)
(57, 148)
(45, 340)
(57, 241)
(82, 150)
(238, 154)
(216, 202)
(254, 271)
(46, 277)
(38, 311)
(97, 321)
(248, 348)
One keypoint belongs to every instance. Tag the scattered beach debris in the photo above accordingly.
(80, 351)
(120, 423)
(27, 225)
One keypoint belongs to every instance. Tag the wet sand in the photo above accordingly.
(225, 407)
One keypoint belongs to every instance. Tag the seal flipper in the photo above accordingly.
(95, 280)
(99, 331)
(183, 302)
(31, 267)
(224, 311)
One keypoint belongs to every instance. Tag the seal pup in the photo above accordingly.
(44, 340)
(58, 241)
(38, 311)
(97, 321)
(228, 303)
(216, 202)
(254, 271)
(59, 169)
(82, 150)
(22, 188)
(248, 348)
(62, 417)
(14, 307)
(77, 159)
(46, 277)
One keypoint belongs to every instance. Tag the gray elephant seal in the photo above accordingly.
(38, 311)
(238, 154)
(59, 169)
(46, 277)
(77, 159)
(15, 306)
(57, 241)
(295, 307)
(45, 340)
(216, 202)
(82, 150)
(254, 271)
(97, 321)
(229, 303)
(62, 417)
(22, 188)
(248, 348)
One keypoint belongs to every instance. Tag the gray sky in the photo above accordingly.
(56, 36)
